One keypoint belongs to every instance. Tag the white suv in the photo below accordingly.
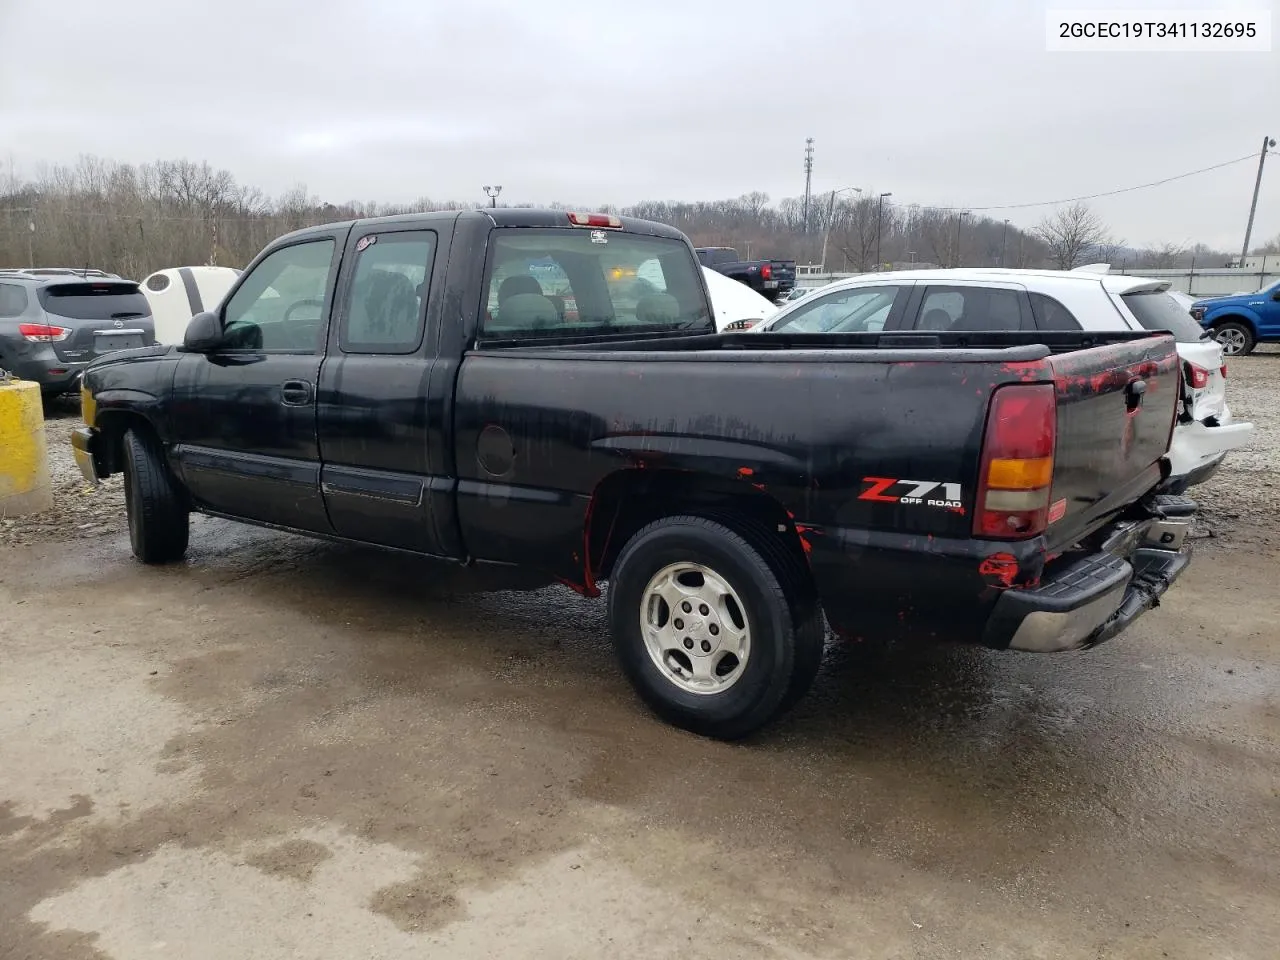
(986, 300)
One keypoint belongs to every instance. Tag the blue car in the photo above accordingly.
(1242, 321)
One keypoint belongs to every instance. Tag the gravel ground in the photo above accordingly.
(79, 509)
(1234, 514)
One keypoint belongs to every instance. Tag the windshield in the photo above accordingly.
(95, 301)
(1156, 310)
(579, 282)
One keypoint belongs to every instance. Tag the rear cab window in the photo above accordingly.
(1156, 310)
(94, 301)
(577, 282)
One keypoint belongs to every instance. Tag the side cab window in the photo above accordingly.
(385, 308)
(280, 305)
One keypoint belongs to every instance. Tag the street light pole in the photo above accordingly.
(879, 217)
(1253, 207)
(1004, 235)
(831, 209)
(492, 194)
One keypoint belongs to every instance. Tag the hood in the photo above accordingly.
(134, 353)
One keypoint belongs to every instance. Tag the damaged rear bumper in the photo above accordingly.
(1096, 597)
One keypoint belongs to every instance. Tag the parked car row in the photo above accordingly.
(524, 401)
(924, 302)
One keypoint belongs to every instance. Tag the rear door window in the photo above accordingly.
(859, 310)
(971, 309)
(13, 300)
(95, 301)
(388, 293)
(1156, 310)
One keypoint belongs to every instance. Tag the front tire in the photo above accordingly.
(1236, 338)
(159, 521)
(705, 628)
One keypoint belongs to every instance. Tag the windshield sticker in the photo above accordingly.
(599, 236)
(364, 242)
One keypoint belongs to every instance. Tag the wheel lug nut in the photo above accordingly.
(679, 624)
(703, 609)
(688, 643)
(687, 607)
(715, 631)
(706, 646)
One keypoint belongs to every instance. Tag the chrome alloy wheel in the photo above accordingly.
(695, 628)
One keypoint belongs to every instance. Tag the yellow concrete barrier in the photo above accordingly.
(24, 458)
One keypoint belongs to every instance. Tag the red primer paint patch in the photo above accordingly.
(1000, 567)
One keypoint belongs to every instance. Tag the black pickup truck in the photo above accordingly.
(420, 383)
(769, 278)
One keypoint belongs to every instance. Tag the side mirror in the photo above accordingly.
(204, 333)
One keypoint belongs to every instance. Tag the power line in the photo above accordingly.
(1106, 193)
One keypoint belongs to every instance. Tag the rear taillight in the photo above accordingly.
(766, 272)
(1017, 463)
(1197, 376)
(1223, 370)
(43, 332)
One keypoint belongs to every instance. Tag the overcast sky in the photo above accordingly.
(946, 102)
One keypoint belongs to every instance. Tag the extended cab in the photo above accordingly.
(770, 278)
(419, 382)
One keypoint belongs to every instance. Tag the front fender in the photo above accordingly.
(1232, 312)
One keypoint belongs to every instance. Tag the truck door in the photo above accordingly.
(374, 417)
(244, 415)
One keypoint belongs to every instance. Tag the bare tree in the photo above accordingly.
(1271, 246)
(1165, 256)
(1071, 233)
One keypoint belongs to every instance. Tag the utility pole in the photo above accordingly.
(808, 179)
(959, 220)
(492, 194)
(1253, 207)
(879, 219)
(1004, 235)
(831, 210)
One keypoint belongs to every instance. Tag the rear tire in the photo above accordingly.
(726, 672)
(1236, 338)
(159, 521)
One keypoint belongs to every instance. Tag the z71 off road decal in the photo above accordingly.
(912, 493)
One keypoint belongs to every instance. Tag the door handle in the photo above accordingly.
(296, 393)
(1133, 394)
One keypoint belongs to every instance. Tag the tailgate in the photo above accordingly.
(784, 271)
(1116, 408)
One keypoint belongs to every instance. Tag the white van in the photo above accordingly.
(179, 293)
